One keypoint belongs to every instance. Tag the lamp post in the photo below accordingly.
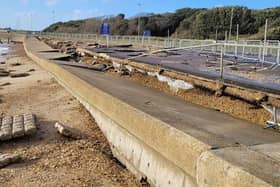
(139, 19)
(230, 27)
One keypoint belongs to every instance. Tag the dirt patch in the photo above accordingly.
(47, 158)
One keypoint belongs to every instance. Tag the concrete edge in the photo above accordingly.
(237, 166)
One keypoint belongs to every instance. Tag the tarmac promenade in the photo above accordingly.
(164, 140)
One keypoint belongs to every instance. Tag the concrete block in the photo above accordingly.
(6, 128)
(66, 131)
(29, 124)
(18, 126)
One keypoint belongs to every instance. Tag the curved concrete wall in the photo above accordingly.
(149, 153)
(149, 147)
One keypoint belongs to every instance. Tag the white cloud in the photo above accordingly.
(51, 2)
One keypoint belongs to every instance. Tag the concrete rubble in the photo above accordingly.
(67, 131)
(7, 159)
(17, 126)
(16, 75)
(67, 47)
(4, 73)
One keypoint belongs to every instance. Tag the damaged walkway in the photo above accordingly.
(230, 138)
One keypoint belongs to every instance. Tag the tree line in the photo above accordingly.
(185, 23)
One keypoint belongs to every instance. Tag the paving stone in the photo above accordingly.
(29, 124)
(18, 128)
(7, 119)
(6, 128)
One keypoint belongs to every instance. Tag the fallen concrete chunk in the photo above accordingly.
(7, 159)
(67, 131)
(123, 72)
(31, 70)
(4, 73)
(99, 67)
(29, 124)
(5, 84)
(18, 128)
(15, 64)
(16, 75)
(6, 128)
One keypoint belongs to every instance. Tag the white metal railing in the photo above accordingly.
(265, 52)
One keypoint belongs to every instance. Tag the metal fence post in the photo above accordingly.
(236, 48)
(222, 63)
(260, 51)
(243, 49)
(278, 54)
(263, 55)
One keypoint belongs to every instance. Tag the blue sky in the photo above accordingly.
(37, 14)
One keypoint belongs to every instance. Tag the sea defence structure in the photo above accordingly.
(164, 140)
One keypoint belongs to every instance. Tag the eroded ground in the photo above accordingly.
(47, 158)
(233, 106)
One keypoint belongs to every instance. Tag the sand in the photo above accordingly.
(47, 158)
